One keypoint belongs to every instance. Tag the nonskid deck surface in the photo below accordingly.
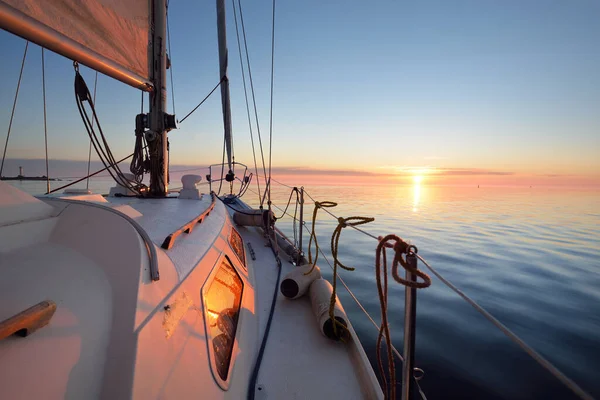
(162, 217)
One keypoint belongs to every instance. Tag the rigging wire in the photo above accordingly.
(45, 121)
(203, 100)
(253, 96)
(358, 303)
(294, 190)
(12, 114)
(281, 183)
(512, 336)
(271, 108)
(237, 35)
(569, 383)
(87, 184)
(89, 176)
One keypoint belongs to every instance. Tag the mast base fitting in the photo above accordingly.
(230, 177)
(170, 122)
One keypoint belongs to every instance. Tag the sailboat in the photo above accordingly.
(152, 293)
(147, 293)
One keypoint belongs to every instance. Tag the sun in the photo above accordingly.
(418, 178)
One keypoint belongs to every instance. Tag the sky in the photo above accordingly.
(465, 91)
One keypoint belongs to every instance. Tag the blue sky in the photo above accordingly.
(378, 86)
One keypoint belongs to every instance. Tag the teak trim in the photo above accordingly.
(28, 321)
(187, 228)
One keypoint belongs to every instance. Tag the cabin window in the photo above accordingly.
(237, 244)
(222, 300)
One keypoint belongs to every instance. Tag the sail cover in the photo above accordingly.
(111, 36)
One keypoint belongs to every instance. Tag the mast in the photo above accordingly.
(157, 136)
(223, 64)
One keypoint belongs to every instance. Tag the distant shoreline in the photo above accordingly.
(27, 178)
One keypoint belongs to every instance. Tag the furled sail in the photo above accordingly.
(110, 36)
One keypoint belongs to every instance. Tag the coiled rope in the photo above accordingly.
(400, 248)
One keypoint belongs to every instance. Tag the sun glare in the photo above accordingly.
(418, 179)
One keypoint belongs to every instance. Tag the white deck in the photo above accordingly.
(108, 337)
(299, 362)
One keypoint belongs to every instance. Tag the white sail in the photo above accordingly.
(111, 36)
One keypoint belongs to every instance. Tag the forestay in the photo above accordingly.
(111, 36)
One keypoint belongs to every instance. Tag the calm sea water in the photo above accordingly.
(530, 256)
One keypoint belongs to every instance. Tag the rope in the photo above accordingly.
(45, 121)
(400, 247)
(253, 96)
(271, 108)
(261, 351)
(89, 175)
(82, 94)
(203, 100)
(569, 383)
(87, 184)
(12, 114)
(237, 34)
(294, 190)
(336, 217)
(335, 240)
(358, 303)
(318, 205)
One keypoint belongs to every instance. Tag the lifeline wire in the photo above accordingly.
(574, 387)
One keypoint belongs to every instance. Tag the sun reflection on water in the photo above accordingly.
(416, 195)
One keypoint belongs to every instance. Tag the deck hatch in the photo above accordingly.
(222, 298)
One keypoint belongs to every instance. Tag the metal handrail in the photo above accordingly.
(209, 178)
